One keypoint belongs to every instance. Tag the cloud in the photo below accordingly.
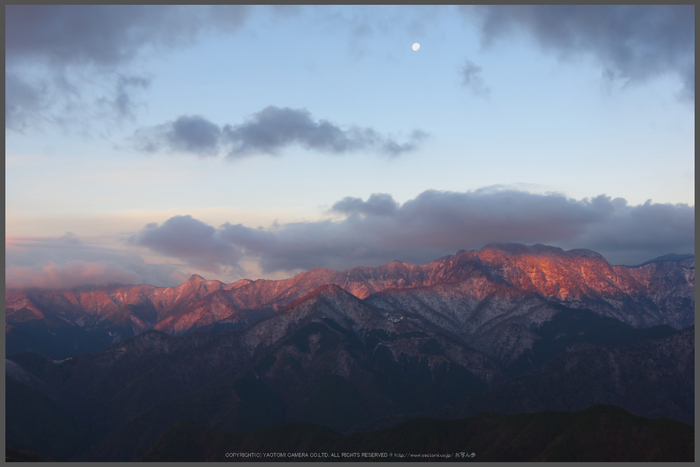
(63, 62)
(471, 77)
(69, 262)
(248, 240)
(267, 132)
(436, 223)
(378, 204)
(369, 232)
(631, 42)
(68, 275)
(192, 134)
(273, 128)
(189, 240)
(633, 233)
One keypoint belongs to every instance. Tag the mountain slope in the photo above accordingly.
(657, 292)
(38, 423)
(652, 377)
(327, 358)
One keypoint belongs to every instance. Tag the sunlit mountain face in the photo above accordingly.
(658, 292)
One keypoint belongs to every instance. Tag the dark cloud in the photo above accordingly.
(192, 134)
(67, 35)
(102, 42)
(436, 223)
(378, 204)
(267, 132)
(189, 240)
(108, 35)
(633, 233)
(274, 128)
(307, 245)
(471, 77)
(631, 42)
(372, 232)
(249, 240)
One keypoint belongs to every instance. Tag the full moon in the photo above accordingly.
(415, 46)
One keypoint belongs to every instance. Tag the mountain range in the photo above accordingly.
(508, 280)
(506, 329)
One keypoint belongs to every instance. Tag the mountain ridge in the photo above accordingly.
(658, 292)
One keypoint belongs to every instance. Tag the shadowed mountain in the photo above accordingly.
(13, 454)
(600, 433)
(328, 358)
(572, 329)
(37, 423)
(652, 377)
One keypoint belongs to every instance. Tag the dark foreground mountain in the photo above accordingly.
(36, 421)
(62, 323)
(12, 454)
(654, 377)
(600, 433)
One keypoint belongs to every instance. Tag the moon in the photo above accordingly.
(415, 47)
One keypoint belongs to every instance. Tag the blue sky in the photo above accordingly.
(144, 144)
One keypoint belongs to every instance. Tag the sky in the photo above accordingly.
(148, 143)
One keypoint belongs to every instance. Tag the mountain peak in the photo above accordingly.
(395, 264)
(540, 250)
(196, 278)
(331, 289)
(584, 252)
